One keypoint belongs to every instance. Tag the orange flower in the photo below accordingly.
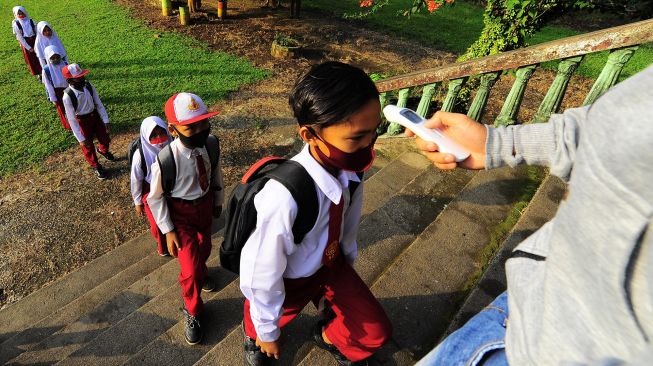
(366, 3)
(432, 5)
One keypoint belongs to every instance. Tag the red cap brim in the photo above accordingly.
(67, 74)
(193, 120)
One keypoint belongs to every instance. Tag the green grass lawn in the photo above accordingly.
(134, 69)
(455, 28)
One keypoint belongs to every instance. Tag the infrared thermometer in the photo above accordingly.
(415, 123)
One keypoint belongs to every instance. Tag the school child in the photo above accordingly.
(25, 32)
(338, 110)
(153, 137)
(46, 36)
(185, 191)
(87, 117)
(54, 81)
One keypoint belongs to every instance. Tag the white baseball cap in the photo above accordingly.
(186, 108)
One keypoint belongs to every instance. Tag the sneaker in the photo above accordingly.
(209, 285)
(340, 358)
(253, 355)
(107, 155)
(193, 330)
(100, 173)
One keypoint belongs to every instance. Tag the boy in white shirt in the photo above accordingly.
(183, 204)
(338, 110)
(87, 117)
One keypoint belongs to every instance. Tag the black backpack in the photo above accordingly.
(133, 147)
(20, 26)
(73, 97)
(241, 212)
(168, 168)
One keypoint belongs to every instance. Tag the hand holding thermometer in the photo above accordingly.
(415, 123)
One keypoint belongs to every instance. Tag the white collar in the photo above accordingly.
(186, 152)
(327, 183)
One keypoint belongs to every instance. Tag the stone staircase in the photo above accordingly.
(420, 235)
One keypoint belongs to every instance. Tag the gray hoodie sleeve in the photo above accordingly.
(551, 144)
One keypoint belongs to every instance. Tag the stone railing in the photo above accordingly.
(622, 42)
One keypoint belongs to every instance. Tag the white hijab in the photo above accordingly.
(28, 31)
(42, 41)
(149, 151)
(56, 74)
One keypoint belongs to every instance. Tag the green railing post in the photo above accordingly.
(452, 93)
(383, 99)
(394, 128)
(166, 7)
(477, 107)
(184, 16)
(610, 73)
(510, 109)
(427, 98)
(553, 98)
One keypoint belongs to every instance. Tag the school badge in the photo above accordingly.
(193, 106)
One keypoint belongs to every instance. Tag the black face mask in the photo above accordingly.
(194, 141)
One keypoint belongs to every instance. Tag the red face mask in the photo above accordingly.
(159, 140)
(21, 16)
(358, 161)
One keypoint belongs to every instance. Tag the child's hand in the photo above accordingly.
(271, 349)
(173, 243)
(468, 133)
(139, 210)
(217, 211)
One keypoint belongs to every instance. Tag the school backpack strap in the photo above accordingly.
(134, 146)
(213, 149)
(73, 98)
(168, 170)
(48, 75)
(296, 179)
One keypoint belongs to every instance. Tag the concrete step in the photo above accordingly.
(542, 208)
(121, 340)
(62, 317)
(40, 304)
(394, 219)
(424, 286)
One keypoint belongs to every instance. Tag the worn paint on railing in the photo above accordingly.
(606, 39)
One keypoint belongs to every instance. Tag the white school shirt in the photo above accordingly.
(85, 105)
(27, 31)
(187, 185)
(57, 79)
(270, 254)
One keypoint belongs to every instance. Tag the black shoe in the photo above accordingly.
(193, 330)
(340, 358)
(253, 354)
(209, 285)
(107, 155)
(100, 173)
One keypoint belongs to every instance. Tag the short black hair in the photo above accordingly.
(330, 92)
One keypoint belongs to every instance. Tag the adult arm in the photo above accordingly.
(264, 257)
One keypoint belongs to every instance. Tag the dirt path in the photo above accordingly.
(57, 217)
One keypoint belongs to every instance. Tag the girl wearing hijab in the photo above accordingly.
(25, 32)
(54, 81)
(154, 137)
(46, 36)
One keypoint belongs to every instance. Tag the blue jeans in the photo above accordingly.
(480, 342)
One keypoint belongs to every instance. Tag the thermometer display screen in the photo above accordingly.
(412, 116)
